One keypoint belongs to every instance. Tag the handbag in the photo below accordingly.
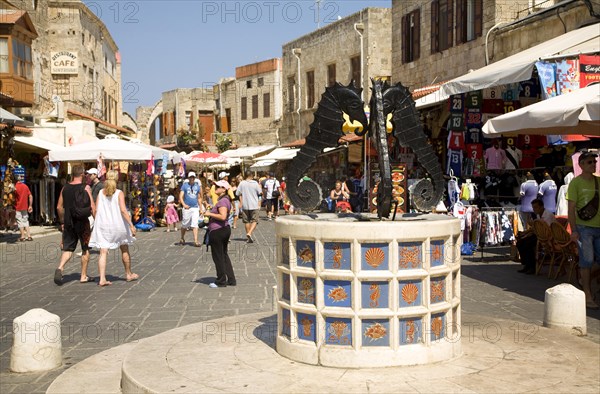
(589, 210)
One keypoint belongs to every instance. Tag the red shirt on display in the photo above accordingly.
(22, 193)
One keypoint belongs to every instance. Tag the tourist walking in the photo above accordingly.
(190, 198)
(23, 207)
(113, 228)
(218, 236)
(584, 218)
(97, 185)
(271, 193)
(73, 212)
(236, 201)
(170, 214)
(249, 192)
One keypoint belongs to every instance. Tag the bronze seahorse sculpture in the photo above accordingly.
(325, 131)
(408, 130)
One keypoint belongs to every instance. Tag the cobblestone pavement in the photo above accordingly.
(173, 291)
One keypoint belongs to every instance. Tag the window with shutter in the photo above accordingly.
(468, 20)
(411, 40)
(255, 106)
(244, 108)
(310, 89)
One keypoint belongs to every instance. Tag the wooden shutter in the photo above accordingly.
(450, 21)
(416, 44)
(478, 17)
(403, 39)
(434, 26)
(461, 21)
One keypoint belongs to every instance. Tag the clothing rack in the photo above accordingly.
(495, 209)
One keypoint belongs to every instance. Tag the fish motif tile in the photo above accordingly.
(337, 255)
(338, 293)
(376, 332)
(437, 326)
(305, 253)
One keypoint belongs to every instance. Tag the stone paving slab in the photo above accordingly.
(174, 280)
(237, 354)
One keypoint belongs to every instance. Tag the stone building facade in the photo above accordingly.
(333, 53)
(249, 106)
(70, 33)
(435, 41)
(188, 110)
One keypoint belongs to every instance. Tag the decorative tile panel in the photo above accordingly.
(285, 290)
(374, 256)
(306, 290)
(438, 326)
(437, 290)
(338, 331)
(338, 293)
(375, 294)
(285, 251)
(376, 332)
(410, 292)
(307, 327)
(410, 255)
(285, 322)
(337, 255)
(305, 253)
(436, 252)
(411, 331)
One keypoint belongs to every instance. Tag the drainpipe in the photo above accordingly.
(297, 52)
(360, 28)
(221, 106)
(497, 25)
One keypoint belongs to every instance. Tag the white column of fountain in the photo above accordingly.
(364, 294)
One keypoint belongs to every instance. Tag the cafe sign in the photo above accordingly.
(64, 62)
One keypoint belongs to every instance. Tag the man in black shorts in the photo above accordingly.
(73, 230)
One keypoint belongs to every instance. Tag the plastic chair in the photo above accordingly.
(544, 249)
(567, 248)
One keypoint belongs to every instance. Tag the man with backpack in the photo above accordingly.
(75, 205)
(271, 193)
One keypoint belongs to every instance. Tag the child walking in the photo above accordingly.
(171, 213)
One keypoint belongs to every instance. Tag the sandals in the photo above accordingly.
(25, 239)
(197, 244)
(181, 242)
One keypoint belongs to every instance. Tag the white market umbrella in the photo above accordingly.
(108, 148)
(159, 152)
(577, 112)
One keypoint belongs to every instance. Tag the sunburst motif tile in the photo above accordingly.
(374, 256)
(375, 294)
(337, 255)
(338, 293)
(411, 331)
(305, 253)
(436, 252)
(307, 327)
(306, 290)
(338, 331)
(376, 332)
(410, 255)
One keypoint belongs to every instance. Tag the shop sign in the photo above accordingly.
(589, 70)
(64, 62)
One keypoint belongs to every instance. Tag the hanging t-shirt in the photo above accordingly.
(495, 158)
(456, 140)
(548, 191)
(529, 155)
(455, 158)
(453, 191)
(528, 191)
(514, 156)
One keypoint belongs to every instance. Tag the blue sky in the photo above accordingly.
(168, 44)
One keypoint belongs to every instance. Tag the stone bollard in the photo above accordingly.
(37, 343)
(564, 308)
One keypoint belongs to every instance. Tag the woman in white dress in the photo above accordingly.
(113, 227)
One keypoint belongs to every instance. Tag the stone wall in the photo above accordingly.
(336, 44)
(503, 41)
